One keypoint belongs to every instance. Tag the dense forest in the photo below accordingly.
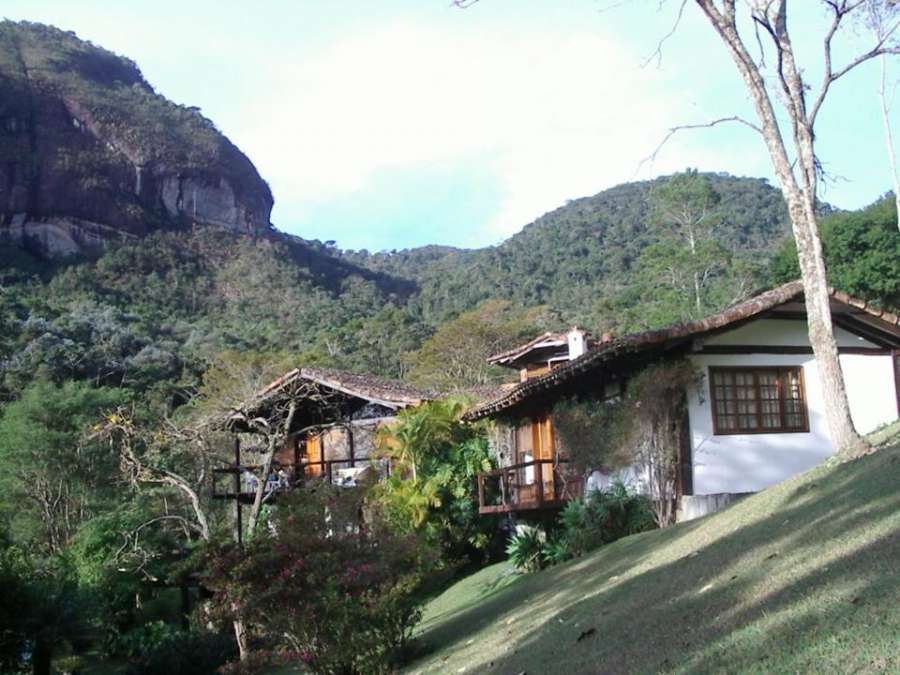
(155, 312)
(159, 309)
(577, 256)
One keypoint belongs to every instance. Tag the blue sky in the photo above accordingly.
(391, 124)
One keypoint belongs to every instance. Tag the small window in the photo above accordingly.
(757, 400)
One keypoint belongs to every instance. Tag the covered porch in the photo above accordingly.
(326, 421)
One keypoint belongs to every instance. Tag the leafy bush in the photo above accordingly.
(342, 595)
(603, 517)
(431, 491)
(583, 525)
(159, 648)
(527, 548)
(558, 550)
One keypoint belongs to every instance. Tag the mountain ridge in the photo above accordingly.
(90, 152)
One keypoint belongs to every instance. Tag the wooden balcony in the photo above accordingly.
(529, 486)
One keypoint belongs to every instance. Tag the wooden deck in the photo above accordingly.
(543, 484)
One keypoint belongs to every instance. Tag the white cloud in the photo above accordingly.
(554, 115)
(542, 100)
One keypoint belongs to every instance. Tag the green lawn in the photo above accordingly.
(804, 577)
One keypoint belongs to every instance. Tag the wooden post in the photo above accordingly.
(236, 507)
(479, 480)
(350, 443)
(539, 465)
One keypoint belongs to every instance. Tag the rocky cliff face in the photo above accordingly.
(89, 152)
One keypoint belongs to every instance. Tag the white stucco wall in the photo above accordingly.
(750, 462)
(781, 333)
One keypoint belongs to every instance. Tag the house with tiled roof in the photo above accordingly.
(334, 416)
(757, 418)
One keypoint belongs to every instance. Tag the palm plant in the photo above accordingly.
(434, 459)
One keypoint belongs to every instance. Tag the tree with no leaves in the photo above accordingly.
(881, 17)
(775, 75)
(798, 169)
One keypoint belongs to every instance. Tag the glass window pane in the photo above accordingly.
(763, 399)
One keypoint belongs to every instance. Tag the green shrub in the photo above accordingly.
(527, 548)
(431, 492)
(558, 550)
(159, 648)
(603, 517)
(69, 665)
(343, 596)
(583, 525)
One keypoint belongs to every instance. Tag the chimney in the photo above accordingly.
(577, 342)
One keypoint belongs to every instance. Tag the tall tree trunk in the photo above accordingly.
(237, 622)
(801, 200)
(888, 135)
(821, 333)
(693, 245)
(240, 633)
(697, 295)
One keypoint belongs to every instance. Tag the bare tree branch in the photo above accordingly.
(685, 127)
(832, 76)
(657, 53)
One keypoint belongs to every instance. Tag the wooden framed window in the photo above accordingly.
(763, 400)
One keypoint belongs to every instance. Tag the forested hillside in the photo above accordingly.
(584, 253)
(169, 302)
(155, 312)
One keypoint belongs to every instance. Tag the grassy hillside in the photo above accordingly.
(800, 578)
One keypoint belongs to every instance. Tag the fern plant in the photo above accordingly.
(602, 517)
(558, 550)
(527, 548)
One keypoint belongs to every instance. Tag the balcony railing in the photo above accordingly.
(539, 484)
(244, 479)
